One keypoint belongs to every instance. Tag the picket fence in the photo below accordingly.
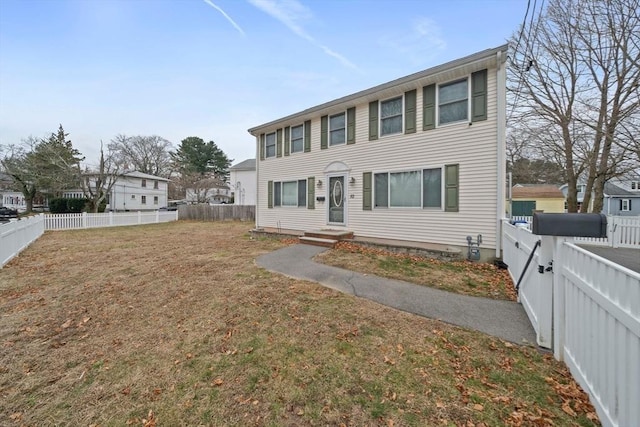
(110, 219)
(587, 309)
(17, 235)
(622, 232)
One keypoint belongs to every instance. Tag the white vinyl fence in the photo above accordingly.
(587, 309)
(110, 219)
(17, 235)
(622, 232)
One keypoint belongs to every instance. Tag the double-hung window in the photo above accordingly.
(416, 188)
(625, 205)
(453, 102)
(297, 138)
(143, 200)
(270, 145)
(635, 185)
(144, 183)
(391, 116)
(290, 193)
(337, 129)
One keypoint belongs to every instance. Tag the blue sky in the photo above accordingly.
(214, 68)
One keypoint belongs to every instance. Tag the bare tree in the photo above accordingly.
(97, 184)
(574, 88)
(146, 154)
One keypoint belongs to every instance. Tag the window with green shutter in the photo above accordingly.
(479, 96)
(279, 143)
(410, 111)
(451, 188)
(373, 120)
(351, 125)
(366, 191)
(324, 130)
(307, 136)
(311, 192)
(287, 139)
(429, 107)
(270, 194)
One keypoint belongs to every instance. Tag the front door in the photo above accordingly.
(337, 199)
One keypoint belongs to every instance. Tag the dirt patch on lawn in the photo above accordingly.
(173, 324)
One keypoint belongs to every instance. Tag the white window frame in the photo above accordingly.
(144, 183)
(625, 205)
(451, 82)
(266, 145)
(155, 200)
(143, 200)
(156, 185)
(291, 139)
(635, 185)
(329, 130)
(417, 169)
(281, 201)
(380, 118)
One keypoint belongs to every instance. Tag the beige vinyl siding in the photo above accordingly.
(473, 147)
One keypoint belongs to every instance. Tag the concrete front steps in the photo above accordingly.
(325, 238)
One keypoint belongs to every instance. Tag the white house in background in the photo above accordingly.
(243, 182)
(420, 158)
(13, 200)
(137, 191)
(209, 190)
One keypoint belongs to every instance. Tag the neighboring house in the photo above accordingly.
(13, 200)
(622, 198)
(243, 182)
(420, 158)
(137, 191)
(581, 187)
(527, 198)
(209, 190)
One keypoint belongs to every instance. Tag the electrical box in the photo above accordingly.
(570, 224)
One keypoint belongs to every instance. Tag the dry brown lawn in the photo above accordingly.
(173, 324)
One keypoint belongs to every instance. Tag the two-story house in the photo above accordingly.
(137, 191)
(242, 177)
(420, 158)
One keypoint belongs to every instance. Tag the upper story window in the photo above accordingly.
(635, 185)
(337, 130)
(143, 200)
(297, 139)
(625, 205)
(144, 183)
(270, 145)
(580, 188)
(155, 185)
(453, 105)
(391, 116)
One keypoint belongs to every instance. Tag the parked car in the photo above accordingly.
(7, 213)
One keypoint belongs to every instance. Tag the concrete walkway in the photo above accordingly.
(502, 319)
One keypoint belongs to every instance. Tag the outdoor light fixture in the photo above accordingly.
(319, 183)
(352, 180)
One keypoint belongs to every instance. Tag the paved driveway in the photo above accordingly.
(629, 258)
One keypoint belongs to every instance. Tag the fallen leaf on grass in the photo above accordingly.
(66, 324)
(567, 408)
(218, 382)
(478, 407)
(150, 421)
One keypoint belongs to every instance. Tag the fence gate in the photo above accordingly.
(535, 283)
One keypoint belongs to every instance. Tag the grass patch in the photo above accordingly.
(462, 277)
(175, 323)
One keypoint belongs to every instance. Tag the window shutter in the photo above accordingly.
(373, 120)
(279, 143)
(262, 146)
(311, 193)
(620, 209)
(629, 204)
(324, 130)
(366, 191)
(287, 139)
(351, 125)
(429, 107)
(307, 136)
(451, 188)
(410, 111)
(479, 96)
(270, 194)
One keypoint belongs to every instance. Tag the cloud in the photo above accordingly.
(422, 42)
(291, 13)
(236, 26)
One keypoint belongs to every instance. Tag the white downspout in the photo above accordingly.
(257, 180)
(501, 153)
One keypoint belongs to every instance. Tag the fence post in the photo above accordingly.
(157, 217)
(84, 220)
(139, 217)
(111, 218)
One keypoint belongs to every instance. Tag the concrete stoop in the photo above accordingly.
(325, 238)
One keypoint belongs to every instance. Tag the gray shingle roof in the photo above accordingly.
(246, 165)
